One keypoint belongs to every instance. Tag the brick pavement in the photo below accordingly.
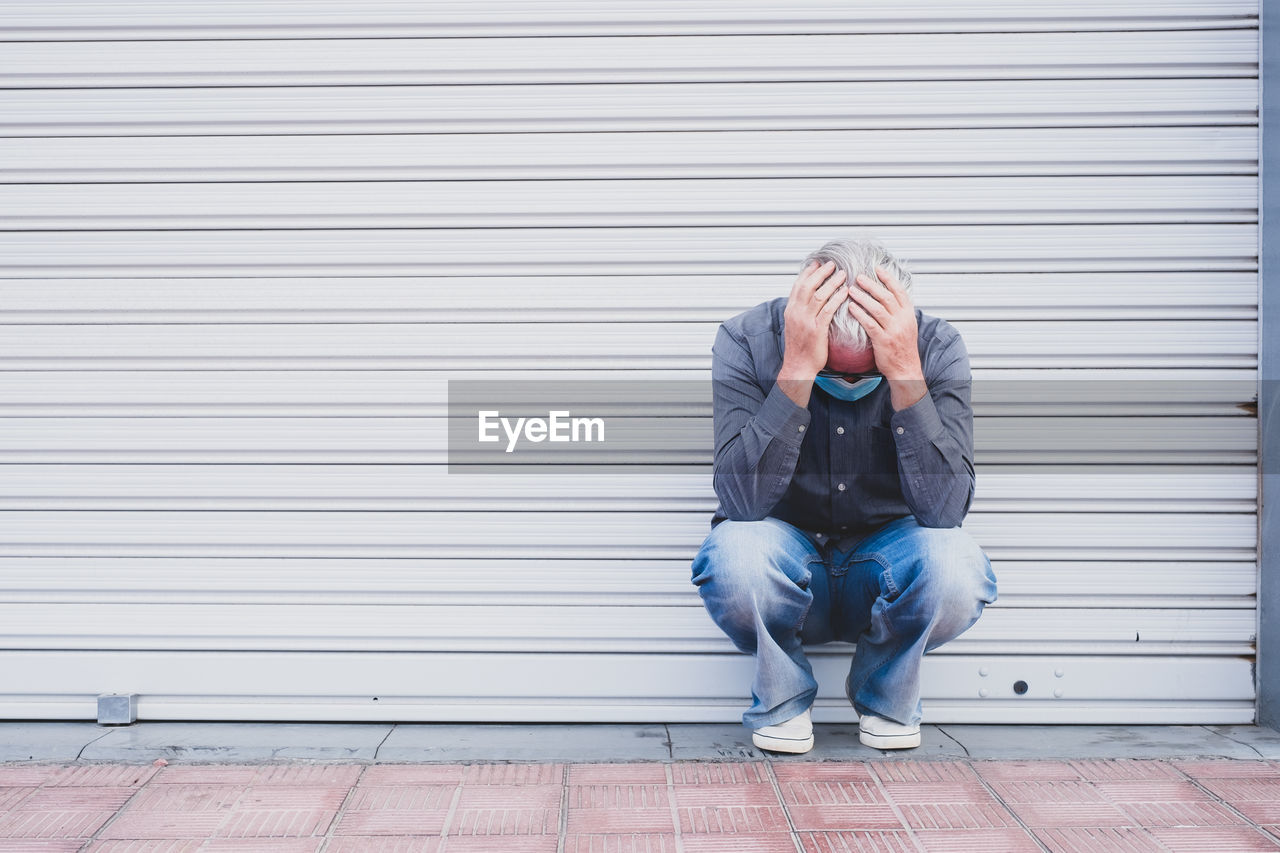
(654, 807)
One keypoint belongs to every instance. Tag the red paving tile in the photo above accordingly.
(733, 819)
(1055, 815)
(698, 807)
(509, 796)
(385, 844)
(1117, 770)
(413, 774)
(206, 774)
(151, 846)
(832, 771)
(1151, 791)
(957, 815)
(102, 776)
(391, 822)
(1227, 768)
(186, 798)
(271, 845)
(53, 824)
(11, 797)
(1243, 789)
(1035, 771)
(505, 821)
(617, 774)
(862, 842)
(1109, 840)
(615, 821)
(977, 840)
(831, 792)
(1054, 791)
(30, 775)
(95, 799)
(620, 796)
(756, 842)
(153, 824)
(514, 774)
(508, 844)
(839, 817)
(637, 843)
(734, 773)
(726, 795)
(1237, 839)
(925, 771)
(1258, 812)
(1181, 814)
(938, 792)
(275, 823)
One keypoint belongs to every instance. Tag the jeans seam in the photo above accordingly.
(887, 574)
(799, 626)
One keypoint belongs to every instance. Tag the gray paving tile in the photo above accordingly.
(525, 742)
(239, 742)
(1032, 742)
(448, 742)
(714, 741)
(1266, 741)
(46, 741)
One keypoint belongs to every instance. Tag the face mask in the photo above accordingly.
(843, 389)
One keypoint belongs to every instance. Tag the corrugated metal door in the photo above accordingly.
(246, 244)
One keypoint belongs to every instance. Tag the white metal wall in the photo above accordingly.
(245, 245)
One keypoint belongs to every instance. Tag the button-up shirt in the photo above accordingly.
(838, 469)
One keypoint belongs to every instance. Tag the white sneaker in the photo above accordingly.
(793, 735)
(879, 733)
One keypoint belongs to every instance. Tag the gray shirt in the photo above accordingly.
(838, 469)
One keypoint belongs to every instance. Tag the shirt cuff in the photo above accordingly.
(917, 425)
(782, 418)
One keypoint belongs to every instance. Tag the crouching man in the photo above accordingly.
(843, 468)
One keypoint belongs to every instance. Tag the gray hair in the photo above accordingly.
(854, 257)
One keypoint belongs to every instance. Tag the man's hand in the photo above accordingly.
(888, 317)
(815, 297)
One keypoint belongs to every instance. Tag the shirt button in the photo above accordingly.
(839, 430)
(800, 428)
(840, 487)
(844, 527)
(900, 430)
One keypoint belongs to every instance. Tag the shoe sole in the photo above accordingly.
(909, 741)
(782, 744)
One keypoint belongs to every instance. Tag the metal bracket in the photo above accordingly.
(117, 709)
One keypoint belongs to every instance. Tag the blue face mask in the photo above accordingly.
(843, 389)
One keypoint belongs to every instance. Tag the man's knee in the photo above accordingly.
(749, 552)
(749, 570)
(955, 577)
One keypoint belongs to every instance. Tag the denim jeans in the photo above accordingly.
(897, 593)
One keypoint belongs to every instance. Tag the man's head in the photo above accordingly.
(849, 348)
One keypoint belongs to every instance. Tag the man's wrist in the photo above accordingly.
(798, 372)
(796, 382)
(906, 390)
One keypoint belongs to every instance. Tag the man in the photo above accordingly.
(844, 467)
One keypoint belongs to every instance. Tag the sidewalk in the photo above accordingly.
(172, 787)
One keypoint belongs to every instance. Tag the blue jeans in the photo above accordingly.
(897, 593)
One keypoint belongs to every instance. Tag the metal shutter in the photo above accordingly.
(246, 244)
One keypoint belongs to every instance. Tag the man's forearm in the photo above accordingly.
(906, 392)
(935, 465)
(754, 467)
(796, 383)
